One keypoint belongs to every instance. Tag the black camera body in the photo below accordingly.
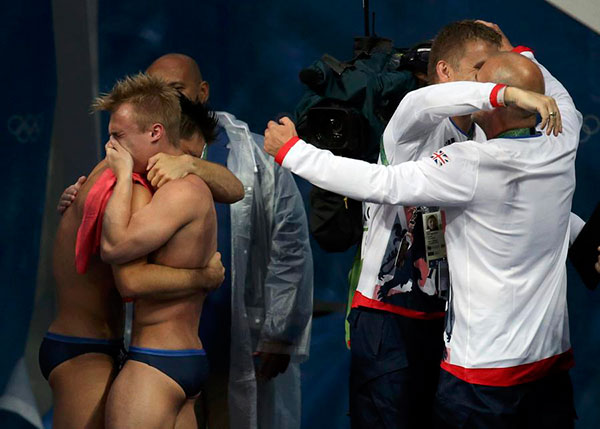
(342, 130)
(345, 110)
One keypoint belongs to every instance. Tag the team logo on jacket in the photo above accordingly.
(440, 157)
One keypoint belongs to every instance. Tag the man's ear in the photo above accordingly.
(443, 71)
(157, 131)
(203, 91)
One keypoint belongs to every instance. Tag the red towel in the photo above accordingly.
(90, 229)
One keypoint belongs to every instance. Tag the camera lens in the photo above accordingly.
(336, 125)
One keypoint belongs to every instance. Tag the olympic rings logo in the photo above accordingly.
(25, 128)
(591, 126)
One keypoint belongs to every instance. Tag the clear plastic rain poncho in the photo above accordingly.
(271, 284)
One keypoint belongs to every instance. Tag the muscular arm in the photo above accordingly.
(141, 279)
(125, 237)
(224, 186)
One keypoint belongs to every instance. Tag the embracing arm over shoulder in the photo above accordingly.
(224, 186)
(423, 109)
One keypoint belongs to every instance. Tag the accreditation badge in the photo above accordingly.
(435, 246)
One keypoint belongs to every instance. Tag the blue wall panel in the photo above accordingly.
(26, 113)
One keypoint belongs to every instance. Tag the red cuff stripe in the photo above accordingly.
(520, 49)
(283, 150)
(494, 95)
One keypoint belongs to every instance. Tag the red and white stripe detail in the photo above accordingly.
(360, 300)
(497, 95)
(514, 375)
(521, 49)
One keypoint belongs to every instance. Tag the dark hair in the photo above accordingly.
(450, 43)
(197, 118)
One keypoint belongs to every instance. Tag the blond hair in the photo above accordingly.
(154, 101)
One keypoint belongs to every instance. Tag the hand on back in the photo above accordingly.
(69, 194)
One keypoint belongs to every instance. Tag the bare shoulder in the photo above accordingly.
(198, 184)
(190, 190)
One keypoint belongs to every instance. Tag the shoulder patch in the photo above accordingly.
(440, 158)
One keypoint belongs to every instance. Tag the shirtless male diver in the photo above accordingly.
(166, 364)
(80, 353)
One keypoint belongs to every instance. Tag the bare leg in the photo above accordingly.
(187, 418)
(79, 388)
(143, 397)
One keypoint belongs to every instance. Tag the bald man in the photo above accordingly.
(183, 74)
(507, 204)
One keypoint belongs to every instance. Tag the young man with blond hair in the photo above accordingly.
(80, 353)
(166, 364)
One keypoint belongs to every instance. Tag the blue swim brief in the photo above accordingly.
(188, 368)
(56, 349)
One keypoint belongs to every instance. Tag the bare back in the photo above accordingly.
(191, 246)
(88, 305)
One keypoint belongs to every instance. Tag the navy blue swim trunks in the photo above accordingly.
(188, 368)
(56, 349)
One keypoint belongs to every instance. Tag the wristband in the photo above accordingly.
(497, 95)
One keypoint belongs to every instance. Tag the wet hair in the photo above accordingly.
(449, 44)
(153, 100)
(197, 117)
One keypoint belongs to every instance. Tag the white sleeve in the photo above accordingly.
(425, 108)
(450, 181)
(576, 224)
